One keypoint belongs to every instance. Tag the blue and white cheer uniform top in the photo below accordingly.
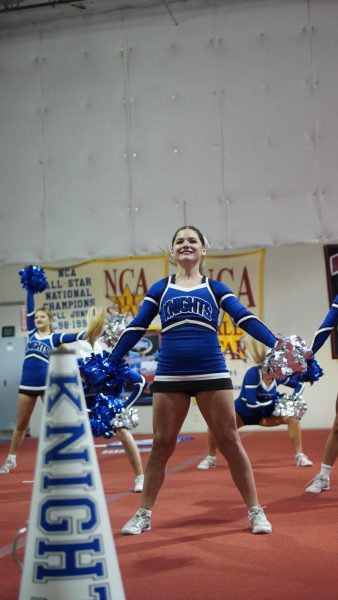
(35, 365)
(258, 399)
(190, 349)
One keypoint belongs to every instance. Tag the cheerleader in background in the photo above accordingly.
(41, 340)
(123, 434)
(256, 403)
(321, 481)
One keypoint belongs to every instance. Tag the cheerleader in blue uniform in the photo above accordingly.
(123, 433)
(256, 403)
(191, 363)
(41, 340)
(321, 482)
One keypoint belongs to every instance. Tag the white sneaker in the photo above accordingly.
(8, 465)
(302, 460)
(139, 480)
(258, 520)
(320, 483)
(209, 462)
(141, 521)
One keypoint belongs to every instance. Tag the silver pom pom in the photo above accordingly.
(127, 418)
(287, 357)
(114, 327)
(290, 406)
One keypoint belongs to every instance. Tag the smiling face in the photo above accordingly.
(42, 321)
(187, 247)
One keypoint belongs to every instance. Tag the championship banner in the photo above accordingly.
(331, 261)
(118, 284)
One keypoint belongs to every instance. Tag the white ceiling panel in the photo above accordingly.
(120, 125)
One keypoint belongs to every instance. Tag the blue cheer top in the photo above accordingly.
(190, 349)
(257, 399)
(35, 365)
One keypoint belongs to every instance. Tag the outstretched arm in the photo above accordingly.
(67, 338)
(135, 330)
(325, 329)
(246, 319)
(30, 313)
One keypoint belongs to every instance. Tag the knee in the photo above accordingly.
(163, 445)
(228, 439)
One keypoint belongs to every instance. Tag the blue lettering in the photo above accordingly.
(73, 433)
(52, 520)
(70, 557)
(100, 592)
(84, 481)
(187, 305)
(39, 347)
(62, 382)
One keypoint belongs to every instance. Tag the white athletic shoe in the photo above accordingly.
(319, 483)
(302, 460)
(139, 480)
(258, 520)
(209, 462)
(141, 521)
(8, 465)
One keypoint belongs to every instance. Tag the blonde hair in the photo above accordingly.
(96, 318)
(255, 350)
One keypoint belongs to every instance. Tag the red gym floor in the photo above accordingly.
(200, 547)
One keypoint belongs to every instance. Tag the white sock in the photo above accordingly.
(212, 457)
(325, 470)
(11, 457)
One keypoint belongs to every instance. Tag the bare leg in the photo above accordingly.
(212, 448)
(131, 449)
(218, 410)
(295, 435)
(331, 447)
(294, 430)
(321, 482)
(169, 412)
(25, 408)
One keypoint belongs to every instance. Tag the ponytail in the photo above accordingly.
(96, 317)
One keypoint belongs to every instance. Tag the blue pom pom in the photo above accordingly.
(101, 414)
(33, 279)
(100, 375)
(313, 372)
(104, 383)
